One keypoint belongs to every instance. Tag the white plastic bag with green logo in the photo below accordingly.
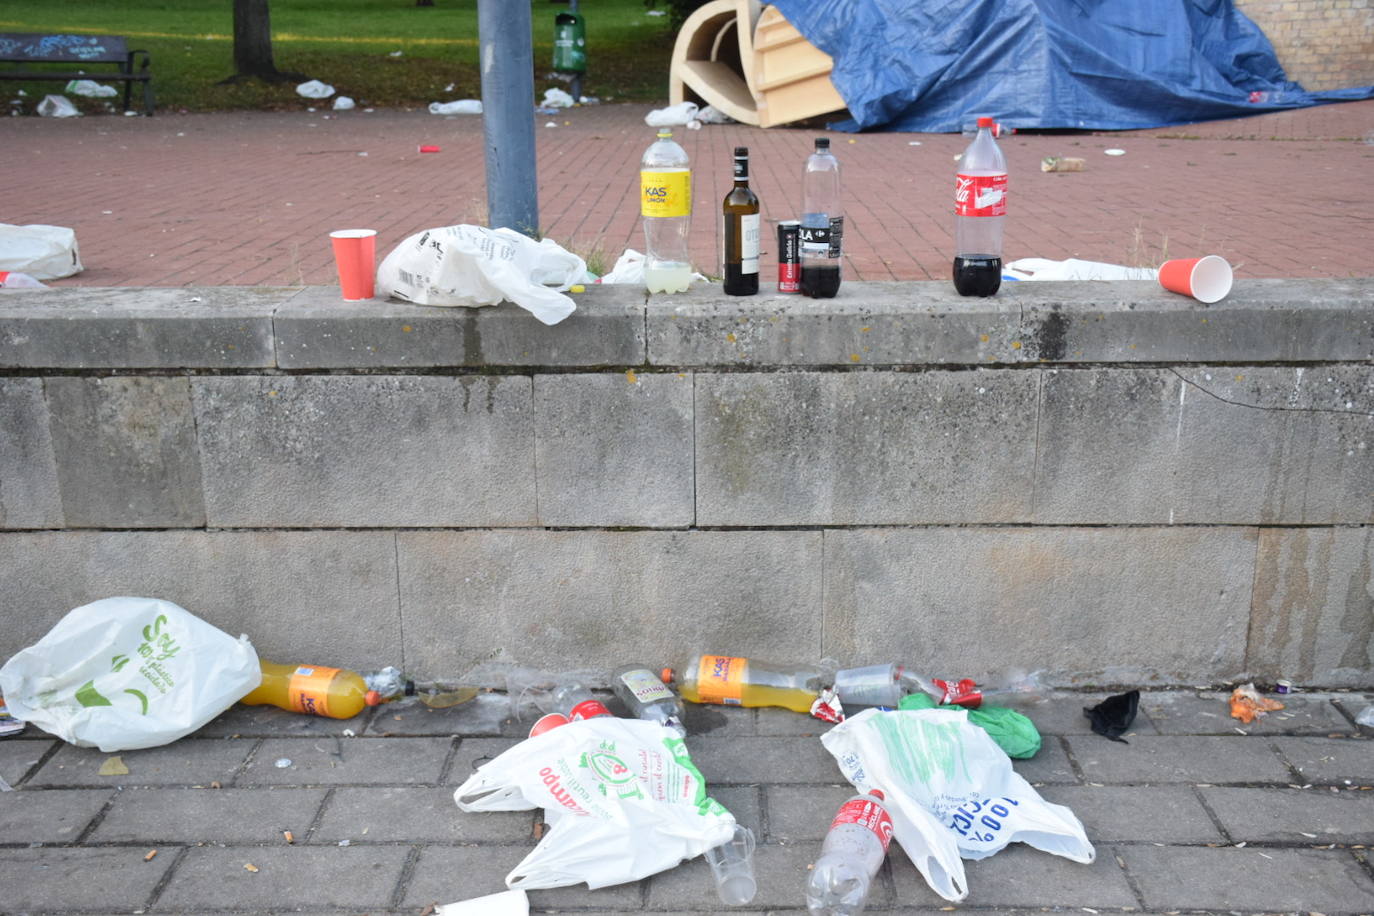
(621, 798)
(951, 792)
(126, 673)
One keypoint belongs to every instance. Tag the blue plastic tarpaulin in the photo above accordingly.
(936, 65)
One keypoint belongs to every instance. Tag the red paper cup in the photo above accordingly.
(1205, 279)
(547, 723)
(355, 253)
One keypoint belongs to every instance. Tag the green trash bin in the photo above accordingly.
(569, 43)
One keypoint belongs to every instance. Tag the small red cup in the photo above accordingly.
(355, 253)
(1205, 279)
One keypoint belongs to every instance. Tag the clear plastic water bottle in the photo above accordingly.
(647, 697)
(853, 852)
(665, 183)
(13, 279)
(822, 223)
(577, 702)
(980, 207)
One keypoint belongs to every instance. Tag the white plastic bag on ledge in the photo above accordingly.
(621, 797)
(42, 252)
(1074, 269)
(951, 792)
(475, 266)
(126, 673)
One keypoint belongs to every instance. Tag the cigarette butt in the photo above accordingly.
(149, 856)
(1062, 164)
(249, 866)
(290, 837)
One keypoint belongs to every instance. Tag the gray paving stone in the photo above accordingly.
(126, 452)
(475, 752)
(1330, 761)
(1049, 766)
(448, 874)
(744, 802)
(18, 756)
(603, 595)
(1209, 713)
(423, 814)
(729, 721)
(214, 815)
(881, 603)
(615, 450)
(1271, 880)
(1353, 704)
(49, 816)
(780, 872)
(316, 330)
(803, 813)
(1062, 714)
(240, 721)
(732, 761)
(330, 761)
(1021, 876)
(864, 448)
(67, 879)
(187, 762)
(485, 714)
(29, 496)
(1168, 759)
(1312, 600)
(1286, 815)
(1138, 814)
(269, 584)
(287, 877)
(366, 451)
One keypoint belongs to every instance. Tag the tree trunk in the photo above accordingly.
(253, 44)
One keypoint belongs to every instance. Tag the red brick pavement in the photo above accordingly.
(248, 198)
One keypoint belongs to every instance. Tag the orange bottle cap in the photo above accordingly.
(666, 675)
(372, 698)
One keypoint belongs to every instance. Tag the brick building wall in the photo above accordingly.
(1322, 44)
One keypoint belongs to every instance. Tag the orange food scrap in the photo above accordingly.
(1247, 704)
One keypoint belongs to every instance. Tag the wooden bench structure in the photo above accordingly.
(752, 64)
(77, 51)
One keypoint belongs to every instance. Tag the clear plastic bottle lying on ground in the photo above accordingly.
(873, 685)
(647, 697)
(577, 702)
(730, 681)
(853, 852)
(13, 279)
(1015, 689)
(335, 693)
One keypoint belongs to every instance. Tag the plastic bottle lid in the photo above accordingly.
(664, 133)
(372, 698)
(666, 675)
(985, 122)
(878, 794)
(822, 143)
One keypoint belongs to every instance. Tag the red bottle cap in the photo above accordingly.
(985, 122)
(372, 698)
(878, 794)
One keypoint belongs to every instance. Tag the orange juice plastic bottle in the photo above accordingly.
(729, 681)
(312, 689)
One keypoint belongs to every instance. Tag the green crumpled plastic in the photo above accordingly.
(1014, 732)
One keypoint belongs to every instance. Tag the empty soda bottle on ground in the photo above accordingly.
(665, 184)
(577, 702)
(13, 279)
(315, 690)
(851, 855)
(647, 697)
(822, 223)
(1015, 689)
(730, 681)
(872, 685)
(980, 208)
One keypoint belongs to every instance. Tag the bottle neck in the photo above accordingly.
(741, 171)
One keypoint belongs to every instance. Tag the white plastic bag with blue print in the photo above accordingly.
(127, 673)
(622, 799)
(951, 791)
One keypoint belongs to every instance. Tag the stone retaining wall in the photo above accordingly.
(1104, 480)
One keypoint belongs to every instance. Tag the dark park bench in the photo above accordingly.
(76, 51)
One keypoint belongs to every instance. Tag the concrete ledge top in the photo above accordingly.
(868, 324)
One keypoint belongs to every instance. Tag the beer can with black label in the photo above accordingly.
(789, 256)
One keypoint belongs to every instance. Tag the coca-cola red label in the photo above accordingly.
(980, 195)
(866, 813)
(960, 693)
(588, 709)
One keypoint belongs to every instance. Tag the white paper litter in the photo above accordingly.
(673, 116)
(462, 106)
(557, 98)
(57, 106)
(343, 103)
(314, 89)
(1074, 269)
(91, 89)
(506, 903)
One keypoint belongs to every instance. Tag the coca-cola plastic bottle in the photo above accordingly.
(853, 851)
(980, 207)
(577, 702)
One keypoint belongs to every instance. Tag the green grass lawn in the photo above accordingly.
(349, 44)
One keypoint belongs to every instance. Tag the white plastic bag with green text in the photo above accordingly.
(621, 797)
(126, 673)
